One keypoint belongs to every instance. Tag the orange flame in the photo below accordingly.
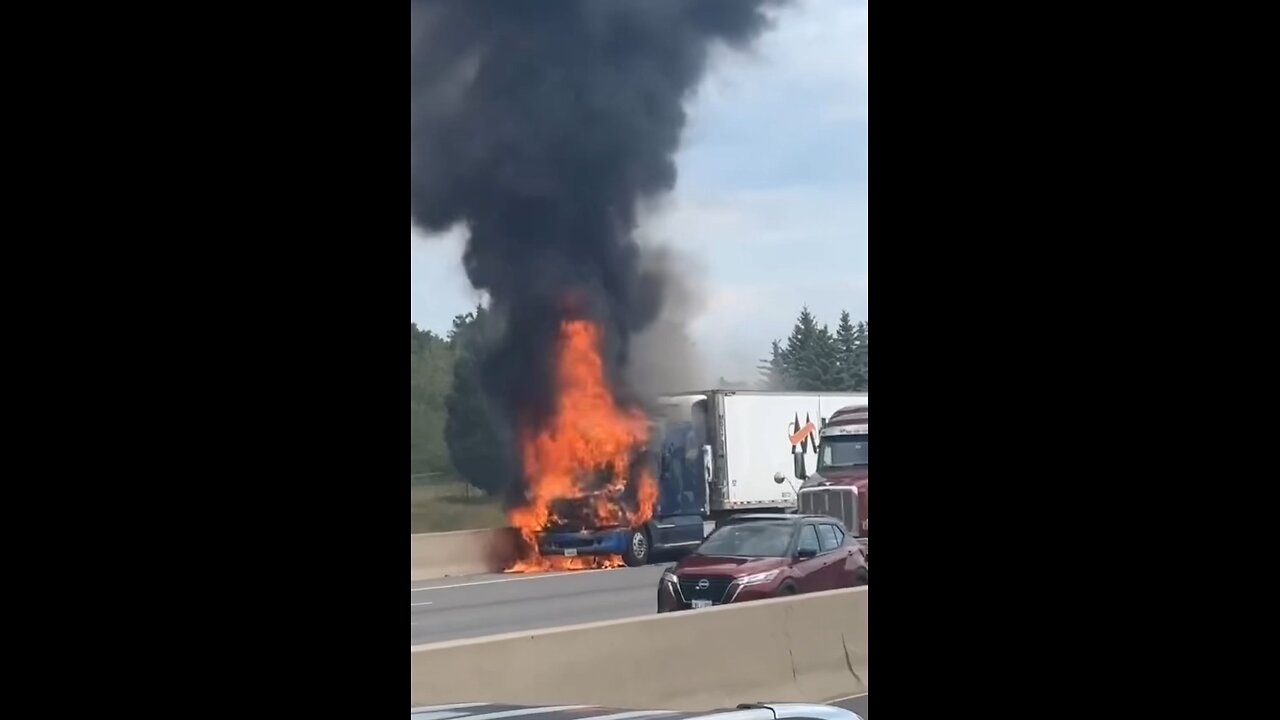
(587, 450)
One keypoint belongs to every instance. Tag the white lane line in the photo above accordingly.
(525, 711)
(535, 576)
(417, 604)
(423, 708)
(629, 715)
(442, 715)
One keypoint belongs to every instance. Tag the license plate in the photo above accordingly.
(571, 552)
(701, 604)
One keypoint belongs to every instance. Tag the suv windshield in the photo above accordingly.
(842, 451)
(757, 539)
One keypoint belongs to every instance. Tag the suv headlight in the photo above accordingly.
(758, 578)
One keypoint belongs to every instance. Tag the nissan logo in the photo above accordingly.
(703, 584)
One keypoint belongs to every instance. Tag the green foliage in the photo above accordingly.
(859, 362)
(469, 432)
(431, 377)
(816, 360)
(444, 506)
(452, 433)
(773, 370)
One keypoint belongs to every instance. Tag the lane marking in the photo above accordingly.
(417, 604)
(444, 707)
(535, 576)
(441, 715)
(525, 711)
(629, 715)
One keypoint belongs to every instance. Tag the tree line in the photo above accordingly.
(814, 359)
(452, 432)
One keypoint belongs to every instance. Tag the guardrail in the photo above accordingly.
(464, 552)
(805, 648)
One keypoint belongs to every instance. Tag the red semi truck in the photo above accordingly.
(838, 487)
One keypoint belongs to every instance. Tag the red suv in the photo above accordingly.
(760, 556)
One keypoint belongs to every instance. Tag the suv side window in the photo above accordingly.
(808, 539)
(840, 534)
(829, 540)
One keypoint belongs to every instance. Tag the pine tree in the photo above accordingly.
(859, 364)
(846, 351)
(773, 370)
(823, 368)
(798, 357)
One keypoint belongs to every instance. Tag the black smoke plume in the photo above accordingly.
(541, 124)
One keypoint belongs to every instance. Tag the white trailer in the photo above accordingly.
(751, 442)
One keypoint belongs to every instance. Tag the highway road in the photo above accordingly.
(857, 704)
(495, 711)
(477, 605)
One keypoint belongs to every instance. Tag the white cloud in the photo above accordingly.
(438, 286)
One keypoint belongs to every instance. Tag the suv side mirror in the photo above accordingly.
(806, 553)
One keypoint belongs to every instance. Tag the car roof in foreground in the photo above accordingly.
(756, 711)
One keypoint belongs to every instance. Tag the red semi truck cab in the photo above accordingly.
(838, 488)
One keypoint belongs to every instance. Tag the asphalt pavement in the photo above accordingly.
(488, 711)
(857, 704)
(478, 605)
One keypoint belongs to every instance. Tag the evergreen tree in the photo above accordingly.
(860, 354)
(846, 351)
(814, 359)
(798, 357)
(773, 370)
(824, 369)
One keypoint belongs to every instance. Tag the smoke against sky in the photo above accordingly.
(771, 197)
(542, 126)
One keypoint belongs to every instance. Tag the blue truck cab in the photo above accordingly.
(683, 471)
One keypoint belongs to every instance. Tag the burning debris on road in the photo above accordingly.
(540, 126)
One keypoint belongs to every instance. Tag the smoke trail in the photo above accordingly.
(541, 125)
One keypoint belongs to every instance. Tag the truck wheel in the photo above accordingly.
(637, 552)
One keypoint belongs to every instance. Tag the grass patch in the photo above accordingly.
(443, 506)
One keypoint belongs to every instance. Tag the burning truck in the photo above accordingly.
(607, 484)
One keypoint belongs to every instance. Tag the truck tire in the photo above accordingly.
(638, 549)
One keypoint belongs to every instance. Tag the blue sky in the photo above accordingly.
(770, 209)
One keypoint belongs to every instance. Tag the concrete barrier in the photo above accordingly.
(465, 552)
(806, 648)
